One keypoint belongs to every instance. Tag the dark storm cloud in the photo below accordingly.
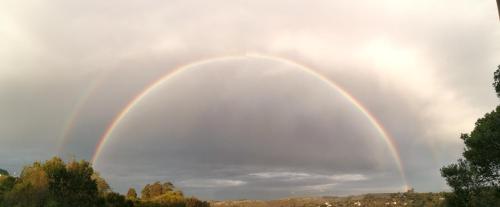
(203, 125)
(422, 68)
(232, 112)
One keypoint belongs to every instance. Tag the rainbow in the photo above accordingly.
(155, 84)
(75, 114)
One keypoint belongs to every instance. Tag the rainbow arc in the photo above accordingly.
(390, 142)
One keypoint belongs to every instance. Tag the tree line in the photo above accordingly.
(55, 183)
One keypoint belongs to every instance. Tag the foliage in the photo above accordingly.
(145, 194)
(102, 186)
(3, 172)
(6, 185)
(496, 81)
(164, 195)
(113, 199)
(193, 202)
(483, 147)
(80, 188)
(475, 180)
(170, 197)
(132, 194)
(55, 183)
(155, 190)
(31, 189)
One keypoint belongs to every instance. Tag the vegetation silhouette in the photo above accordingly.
(55, 183)
(475, 178)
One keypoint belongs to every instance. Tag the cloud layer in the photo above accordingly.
(422, 68)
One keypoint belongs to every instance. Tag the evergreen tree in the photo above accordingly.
(496, 80)
(475, 180)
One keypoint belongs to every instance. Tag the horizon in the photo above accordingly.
(258, 100)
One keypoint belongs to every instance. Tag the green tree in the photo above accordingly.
(167, 186)
(31, 190)
(173, 198)
(496, 81)
(3, 172)
(81, 188)
(155, 190)
(482, 148)
(475, 180)
(131, 194)
(6, 185)
(57, 173)
(113, 199)
(102, 186)
(55, 184)
(145, 195)
(193, 202)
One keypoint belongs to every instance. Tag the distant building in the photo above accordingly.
(327, 204)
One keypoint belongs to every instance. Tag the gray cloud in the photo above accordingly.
(422, 68)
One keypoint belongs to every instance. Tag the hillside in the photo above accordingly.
(369, 200)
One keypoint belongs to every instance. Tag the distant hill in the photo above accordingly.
(369, 200)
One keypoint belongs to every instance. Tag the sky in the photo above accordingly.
(247, 127)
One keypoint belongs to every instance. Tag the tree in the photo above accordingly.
(155, 190)
(173, 198)
(167, 186)
(482, 147)
(57, 173)
(32, 190)
(145, 195)
(3, 172)
(6, 185)
(102, 186)
(116, 200)
(55, 184)
(81, 188)
(193, 202)
(131, 194)
(152, 191)
(475, 180)
(496, 80)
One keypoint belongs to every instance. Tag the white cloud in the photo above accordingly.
(280, 175)
(211, 183)
(294, 176)
(318, 188)
(348, 177)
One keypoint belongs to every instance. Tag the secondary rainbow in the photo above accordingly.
(155, 84)
(75, 114)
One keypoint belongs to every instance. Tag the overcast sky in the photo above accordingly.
(249, 127)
